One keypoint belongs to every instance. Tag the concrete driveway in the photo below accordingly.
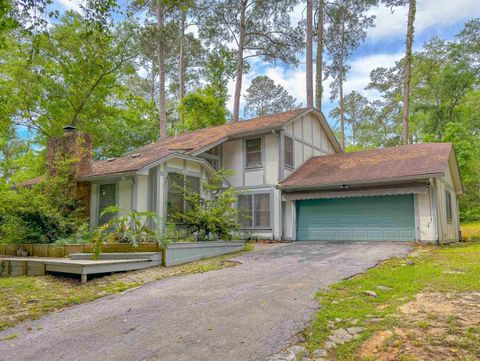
(241, 313)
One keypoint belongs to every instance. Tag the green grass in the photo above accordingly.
(471, 230)
(9, 337)
(27, 298)
(443, 269)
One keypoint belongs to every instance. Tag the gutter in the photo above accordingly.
(358, 182)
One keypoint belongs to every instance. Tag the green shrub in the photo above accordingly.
(209, 218)
(134, 228)
(41, 214)
(81, 236)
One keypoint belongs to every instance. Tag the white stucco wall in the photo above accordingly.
(140, 202)
(232, 152)
(271, 158)
(288, 220)
(448, 230)
(310, 139)
(125, 196)
(424, 217)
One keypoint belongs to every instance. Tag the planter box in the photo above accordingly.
(178, 253)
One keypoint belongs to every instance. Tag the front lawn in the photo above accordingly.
(28, 298)
(424, 307)
(471, 230)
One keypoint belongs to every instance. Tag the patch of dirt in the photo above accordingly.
(433, 327)
(374, 345)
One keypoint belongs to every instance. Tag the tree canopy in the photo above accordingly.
(264, 97)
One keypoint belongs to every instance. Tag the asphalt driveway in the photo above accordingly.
(241, 313)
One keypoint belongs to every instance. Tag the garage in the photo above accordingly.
(374, 218)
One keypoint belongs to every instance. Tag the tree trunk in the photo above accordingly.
(309, 54)
(340, 83)
(342, 116)
(162, 112)
(319, 58)
(181, 62)
(152, 83)
(407, 69)
(240, 60)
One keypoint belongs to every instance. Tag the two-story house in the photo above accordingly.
(295, 181)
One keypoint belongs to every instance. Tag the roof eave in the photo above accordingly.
(98, 177)
(361, 182)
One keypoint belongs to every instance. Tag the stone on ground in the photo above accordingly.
(370, 293)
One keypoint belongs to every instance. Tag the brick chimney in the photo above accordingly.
(76, 146)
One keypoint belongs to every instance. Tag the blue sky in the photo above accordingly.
(383, 46)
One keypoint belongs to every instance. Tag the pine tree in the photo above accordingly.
(258, 29)
(347, 29)
(265, 97)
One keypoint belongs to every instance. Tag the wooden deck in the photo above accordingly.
(36, 266)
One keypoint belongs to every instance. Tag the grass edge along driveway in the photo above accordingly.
(426, 306)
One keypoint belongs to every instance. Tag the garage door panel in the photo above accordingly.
(362, 218)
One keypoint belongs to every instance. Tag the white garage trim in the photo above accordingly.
(355, 193)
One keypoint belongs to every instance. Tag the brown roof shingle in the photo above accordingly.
(189, 143)
(371, 165)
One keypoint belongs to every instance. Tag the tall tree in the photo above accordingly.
(407, 70)
(76, 75)
(201, 109)
(309, 54)
(319, 54)
(265, 97)
(162, 104)
(219, 69)
(348, 25)
(407, 66)
(258, 29)
(358, 116)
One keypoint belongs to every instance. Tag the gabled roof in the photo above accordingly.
(195, 142)
(404, 162)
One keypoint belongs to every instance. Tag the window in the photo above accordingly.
(214, 163)
(107, 199)
(175, 201)
(448, 200)
(213, 157)
(174, 197)
(288, 151)
(192, 184)
(253, 154)
(254, 210)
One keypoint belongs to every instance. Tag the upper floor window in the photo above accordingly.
(288, 151)
(448, 200)
(253, 154)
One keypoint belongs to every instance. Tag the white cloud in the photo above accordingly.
(71, 4)
(359, 76)
(430, 13)
(293, 79)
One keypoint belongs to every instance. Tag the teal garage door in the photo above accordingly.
(378, 218)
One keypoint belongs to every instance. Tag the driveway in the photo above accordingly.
(241, 313)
